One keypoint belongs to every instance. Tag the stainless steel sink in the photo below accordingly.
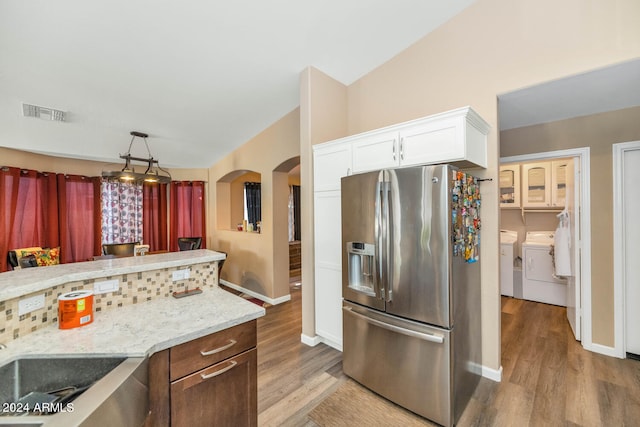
(74, 391)
(39, 376)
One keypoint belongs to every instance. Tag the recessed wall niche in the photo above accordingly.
(230, 198)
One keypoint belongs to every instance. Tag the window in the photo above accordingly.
(252, 203)
(294, 213)
(231, 199)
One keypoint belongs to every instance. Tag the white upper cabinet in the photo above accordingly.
(510, 186)
(331, 161)
(376, 151)
(544, 184)
(559, 182)
(457, 136)
(536, 185)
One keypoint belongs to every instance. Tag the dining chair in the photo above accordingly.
(119, 249)
(189, 243)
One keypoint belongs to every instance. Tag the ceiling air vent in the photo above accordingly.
(45, 113)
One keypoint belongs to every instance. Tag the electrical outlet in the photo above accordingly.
(180, 274)
(106, 286)
(27, 305)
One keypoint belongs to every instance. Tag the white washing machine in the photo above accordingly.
(538, 282)
(508, 239)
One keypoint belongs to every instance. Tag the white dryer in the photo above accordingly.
(538, 281)
(508, 239)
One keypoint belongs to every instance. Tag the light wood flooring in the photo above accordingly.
(548, 378)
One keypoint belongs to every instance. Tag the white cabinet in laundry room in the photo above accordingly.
(536, 185)
(510, 185)
(559, 182)
(544, 184)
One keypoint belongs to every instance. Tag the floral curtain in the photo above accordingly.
(121, 211)
(292, 218)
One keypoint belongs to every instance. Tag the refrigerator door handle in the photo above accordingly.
(439, 339)
(388, 253)
(379, 241)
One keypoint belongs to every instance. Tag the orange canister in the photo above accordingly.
(75, 309)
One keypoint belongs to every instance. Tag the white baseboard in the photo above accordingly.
(332, 343)
(310, 341)
(254, 294)
(606, 350)
(492, 374)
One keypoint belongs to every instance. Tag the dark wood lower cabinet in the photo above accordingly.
(220, 389)
(224, 394)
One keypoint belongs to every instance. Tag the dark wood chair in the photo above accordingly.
(119, 249)
(189, 243)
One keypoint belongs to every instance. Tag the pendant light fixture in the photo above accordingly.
(153, 173)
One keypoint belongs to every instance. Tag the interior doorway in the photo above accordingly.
(578, 289)
(626, 157)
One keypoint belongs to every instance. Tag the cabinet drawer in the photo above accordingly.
(221, 395)
(202, 352)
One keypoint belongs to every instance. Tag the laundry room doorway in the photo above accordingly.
(571, 200)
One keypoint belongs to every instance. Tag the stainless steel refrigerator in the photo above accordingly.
(411, 287)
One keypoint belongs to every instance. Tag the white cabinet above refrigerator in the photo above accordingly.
(457, 137)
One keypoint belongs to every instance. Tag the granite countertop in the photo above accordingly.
(139, 330)
(16, 283)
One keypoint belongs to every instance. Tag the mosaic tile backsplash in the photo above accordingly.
(135, 288)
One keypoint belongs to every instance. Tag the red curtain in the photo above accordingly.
(80, 226)
(154, 216)
(28, 210)
(187, 212)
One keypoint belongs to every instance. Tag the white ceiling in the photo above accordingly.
(607, 89)
(200, 77)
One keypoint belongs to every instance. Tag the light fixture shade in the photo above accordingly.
(153, 173)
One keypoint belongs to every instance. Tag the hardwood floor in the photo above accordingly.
(548, 378)
(292, 377)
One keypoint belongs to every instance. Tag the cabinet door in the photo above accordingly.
(224, 394)
(328, 267)
(559, 182)
(374, 152)
(536, 185)
(510, 186)
(331, 163)
(435, 142)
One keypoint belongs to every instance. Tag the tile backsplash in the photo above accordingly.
(135, 288)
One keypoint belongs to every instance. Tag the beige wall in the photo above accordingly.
(598, 132)
(253, 258)
(323, 117)
(45, 163)
(493, 47)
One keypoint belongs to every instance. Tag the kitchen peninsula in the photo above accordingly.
(140, 319)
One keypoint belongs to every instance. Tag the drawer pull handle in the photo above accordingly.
(219, 349)
(221, 371)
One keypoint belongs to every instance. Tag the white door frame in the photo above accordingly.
(583, 155)
(618, 244)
